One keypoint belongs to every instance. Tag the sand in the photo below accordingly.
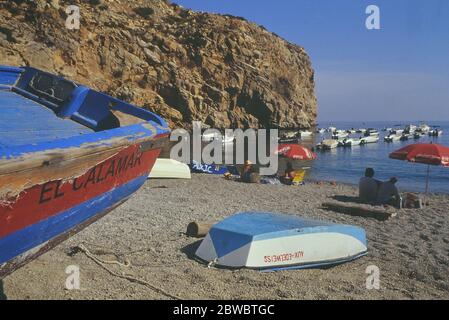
(146, 234)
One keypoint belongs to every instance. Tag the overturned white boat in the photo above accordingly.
(169, 169)
(264, 240)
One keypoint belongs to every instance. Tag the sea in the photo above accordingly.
(348, 164)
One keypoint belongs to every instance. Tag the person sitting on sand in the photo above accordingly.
(388, 193)
(247, 171)
(368, 186)
(289, 174)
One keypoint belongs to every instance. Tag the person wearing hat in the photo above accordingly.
(388, 193)
(247, 171)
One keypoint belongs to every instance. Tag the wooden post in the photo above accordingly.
(198, 229)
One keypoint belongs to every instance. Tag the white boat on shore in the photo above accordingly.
(169, 169)
(321, 130)
(361, 130)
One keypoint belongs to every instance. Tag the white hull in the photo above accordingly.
(370, 139)
(169, 169)
(295, 243)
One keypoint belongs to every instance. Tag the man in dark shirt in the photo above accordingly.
(368, 186)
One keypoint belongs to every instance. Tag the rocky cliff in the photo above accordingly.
(185, 65)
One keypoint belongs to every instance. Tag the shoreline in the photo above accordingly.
(411, 249)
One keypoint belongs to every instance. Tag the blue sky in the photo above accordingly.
(400, 72)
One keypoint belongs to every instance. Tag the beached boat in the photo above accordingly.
(392, 137)
(68, 155)
(360, 130)
(169, 169)
(273, 241)
(369, 139)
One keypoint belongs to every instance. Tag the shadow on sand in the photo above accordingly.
(348, 199)
(2, 294)
(190, 249)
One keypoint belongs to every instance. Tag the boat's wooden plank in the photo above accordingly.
(24, 121)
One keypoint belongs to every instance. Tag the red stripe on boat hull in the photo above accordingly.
(43, 201)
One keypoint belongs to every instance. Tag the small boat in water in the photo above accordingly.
(406, 137)
(371, 132)
(68, 156)
(328, 144)
(423, 128)
(169, 169)
(396, 131)
(305, 134)
(392, 138)
(339, 135)
(435, 132)
(369, 139)
(273, 241)
(350, 142)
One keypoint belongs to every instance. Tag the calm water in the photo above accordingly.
(348, 164)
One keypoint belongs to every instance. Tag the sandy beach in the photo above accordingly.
(146, 235)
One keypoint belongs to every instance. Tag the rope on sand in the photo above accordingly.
(102, 263)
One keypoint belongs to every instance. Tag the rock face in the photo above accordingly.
(184, 65)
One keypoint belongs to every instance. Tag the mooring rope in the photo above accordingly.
(102, 263)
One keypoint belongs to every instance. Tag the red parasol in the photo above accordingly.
(295, 151)
(427, 153)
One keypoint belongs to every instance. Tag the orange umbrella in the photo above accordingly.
(427, 153)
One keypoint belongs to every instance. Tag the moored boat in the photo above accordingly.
(350, 142)
(369, 139)
(435, 132)
(392, 137)
(328, 144)
(68, 155)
